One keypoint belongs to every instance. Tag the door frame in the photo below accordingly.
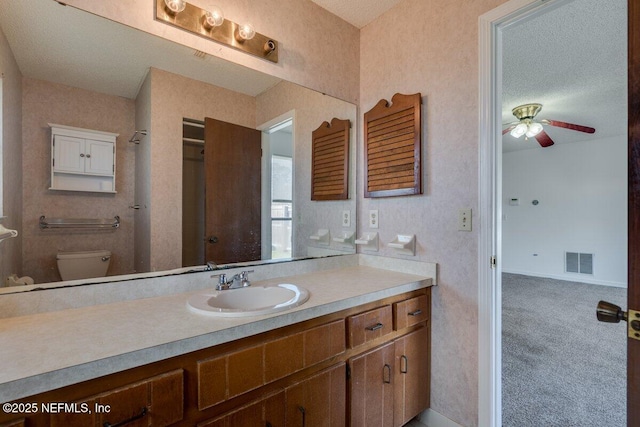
(491, 26)
(266, 128)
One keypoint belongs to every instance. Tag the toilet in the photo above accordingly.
(83, 265)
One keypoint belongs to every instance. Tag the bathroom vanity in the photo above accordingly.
(356, 353)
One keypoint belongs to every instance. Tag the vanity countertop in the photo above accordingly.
(49, 350)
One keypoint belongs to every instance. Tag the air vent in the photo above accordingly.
(580, 263)
(199, 54)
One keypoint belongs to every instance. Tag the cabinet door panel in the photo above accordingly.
(324, 342)
(371, 388)
(99, 157)
(69, 154)
(283, 357)
(318, 401)
(265, 412)
(411, 382)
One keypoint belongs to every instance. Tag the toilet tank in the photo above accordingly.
(83, 265)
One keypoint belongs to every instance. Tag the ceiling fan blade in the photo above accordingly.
(543, 139)
(571, 126)
(507, 130)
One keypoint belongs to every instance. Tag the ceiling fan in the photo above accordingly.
(529, 128)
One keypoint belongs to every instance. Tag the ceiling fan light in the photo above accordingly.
(519, 130)
(534, 129)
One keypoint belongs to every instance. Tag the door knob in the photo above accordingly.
(611, 313)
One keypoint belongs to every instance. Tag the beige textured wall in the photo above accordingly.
(436, 53)
(45, 102)
(317, 49)
(11, 249)
(311, 109)
(174, 97)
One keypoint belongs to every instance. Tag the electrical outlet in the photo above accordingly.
(464, 220)
(346, 218)
(373, 218)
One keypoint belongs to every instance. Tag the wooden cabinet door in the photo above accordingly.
(318, 401)
(371, 392)
(411, 379)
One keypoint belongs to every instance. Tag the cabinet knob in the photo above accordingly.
(88, 155)
(81, 154)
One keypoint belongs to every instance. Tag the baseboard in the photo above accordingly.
(580, 279)
(431, 418)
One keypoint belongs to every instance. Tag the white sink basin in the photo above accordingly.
(250, 301)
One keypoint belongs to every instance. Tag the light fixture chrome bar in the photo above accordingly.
(192, 17)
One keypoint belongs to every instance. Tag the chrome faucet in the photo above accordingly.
(238, 280)
(211, 266)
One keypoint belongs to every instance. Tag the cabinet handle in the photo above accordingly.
(88, 156)
(121, 423)
(406, 364)
(304, 415)
(374, 327)
(386, 369)
(418, 312)
(81, 155)
(268, 424)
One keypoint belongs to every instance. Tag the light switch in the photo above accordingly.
(464, 220)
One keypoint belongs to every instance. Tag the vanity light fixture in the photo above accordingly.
(211, 24)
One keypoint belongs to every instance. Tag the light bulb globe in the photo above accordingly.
(519, 130)
(214, 17)
(246, 31)
(175, 6)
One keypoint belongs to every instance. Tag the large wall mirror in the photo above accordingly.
(66, 66)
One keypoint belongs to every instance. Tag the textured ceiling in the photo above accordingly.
(573, 61)
(357, 12)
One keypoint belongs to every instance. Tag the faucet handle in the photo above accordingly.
(244, 278)
(222, 281)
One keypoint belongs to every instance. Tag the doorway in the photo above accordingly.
(493, 200)
(278, 187)
(221, 218)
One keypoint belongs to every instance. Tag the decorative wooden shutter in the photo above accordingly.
(393, 147)
(330, 161)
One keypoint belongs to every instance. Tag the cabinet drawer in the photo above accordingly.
(410, 312)
(157, 401)
(367, 326)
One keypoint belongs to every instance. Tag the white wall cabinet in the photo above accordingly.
(82, 159)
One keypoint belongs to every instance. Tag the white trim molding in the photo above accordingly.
(431, 418)
(490, 27)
